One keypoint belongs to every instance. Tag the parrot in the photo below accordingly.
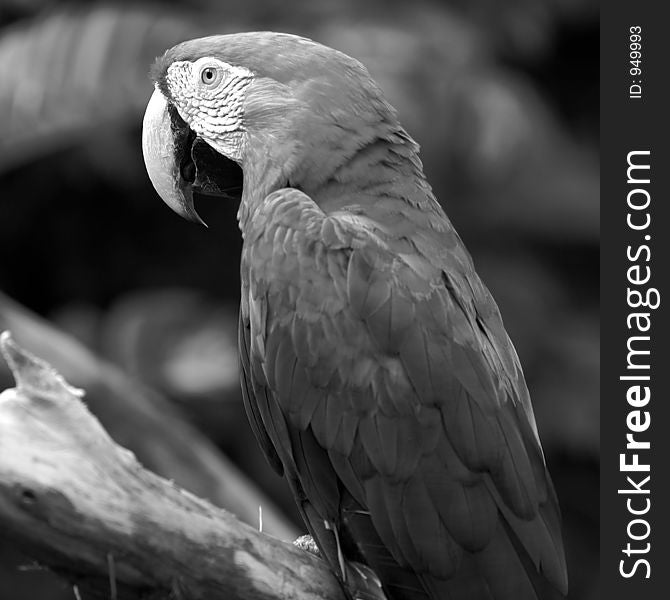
(376, 372)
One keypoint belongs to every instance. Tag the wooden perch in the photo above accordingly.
(146, 423)
(77, 502)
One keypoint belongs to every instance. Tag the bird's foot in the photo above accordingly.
(360, 582)
(307, 543)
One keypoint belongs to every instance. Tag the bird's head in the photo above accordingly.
(258, 109)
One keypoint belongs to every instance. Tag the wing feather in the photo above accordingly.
(394, 385)
(250, 405)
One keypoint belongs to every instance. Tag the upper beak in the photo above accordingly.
(161, 157)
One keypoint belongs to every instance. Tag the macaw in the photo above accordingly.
(376, 372)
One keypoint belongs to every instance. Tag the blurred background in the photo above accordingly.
(502, 97)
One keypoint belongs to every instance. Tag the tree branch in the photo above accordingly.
(82, 505)
(145, 422)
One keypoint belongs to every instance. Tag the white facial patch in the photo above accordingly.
(209, 95)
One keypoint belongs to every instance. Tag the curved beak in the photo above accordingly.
(162, 158)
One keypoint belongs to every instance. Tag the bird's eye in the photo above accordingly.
(210, 76)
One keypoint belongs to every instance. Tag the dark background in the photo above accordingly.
(503, 98)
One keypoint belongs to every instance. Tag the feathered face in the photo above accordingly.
(209, 95)
(265, 103)
(197, 107)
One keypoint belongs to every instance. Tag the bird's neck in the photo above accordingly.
(377, 171)
(384, 170)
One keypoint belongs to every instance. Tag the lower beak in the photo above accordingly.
(162, 158)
